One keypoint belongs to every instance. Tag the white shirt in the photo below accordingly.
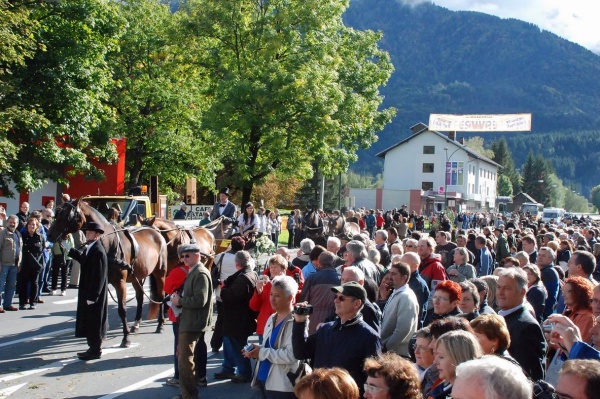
(505, 313)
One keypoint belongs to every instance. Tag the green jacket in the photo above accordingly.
(502, 250)
(196, 301)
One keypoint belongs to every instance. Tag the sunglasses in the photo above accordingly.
(186, 256)
(341, 298)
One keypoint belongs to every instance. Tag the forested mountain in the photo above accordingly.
(468, 62)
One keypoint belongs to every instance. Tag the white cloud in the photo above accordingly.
(574, 20)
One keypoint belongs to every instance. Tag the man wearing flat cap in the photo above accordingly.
(195, 319)
(345, 342)
(92, 301)
(224, 207)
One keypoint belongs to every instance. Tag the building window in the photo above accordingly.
(427, 185)
(428, 149)
(427, 168)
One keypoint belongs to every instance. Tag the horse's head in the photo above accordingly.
(68, 219)
(146, 221)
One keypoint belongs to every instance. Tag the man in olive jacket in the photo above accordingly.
(195, 319)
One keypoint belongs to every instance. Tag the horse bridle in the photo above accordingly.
(74, 217)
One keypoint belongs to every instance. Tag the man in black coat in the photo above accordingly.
(527, 342)
(224, 207)
(92, 303)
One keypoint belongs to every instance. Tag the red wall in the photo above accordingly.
(114, 182)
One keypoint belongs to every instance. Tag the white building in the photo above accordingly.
(429, 169)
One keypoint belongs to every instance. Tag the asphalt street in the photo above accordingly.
(38, 358)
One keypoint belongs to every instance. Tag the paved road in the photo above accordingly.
(37, 358)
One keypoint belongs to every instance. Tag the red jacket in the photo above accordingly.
(173, 282)
(260, 303)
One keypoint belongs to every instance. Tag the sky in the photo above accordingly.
(574, 20)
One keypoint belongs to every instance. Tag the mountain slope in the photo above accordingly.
(468, 62)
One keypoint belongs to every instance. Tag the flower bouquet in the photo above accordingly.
(264, 246)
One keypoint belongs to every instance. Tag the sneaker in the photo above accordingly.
(63, 293)
(174, 382)
(202, 382)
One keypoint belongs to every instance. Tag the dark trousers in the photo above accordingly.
(200, 355)
(27, 277)
(216, 341)
(291, 238)
(59, 266)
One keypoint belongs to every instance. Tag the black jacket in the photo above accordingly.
(528, 345)
(92, 320)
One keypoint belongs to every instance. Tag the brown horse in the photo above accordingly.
(221, 230)
(176, 235)
(148, 258)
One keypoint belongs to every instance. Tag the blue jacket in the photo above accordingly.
(581, 350)
(486, 262)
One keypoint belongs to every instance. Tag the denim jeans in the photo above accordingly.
(8, 284)
(233, 358)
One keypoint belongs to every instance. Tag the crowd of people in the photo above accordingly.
(498, 310)
(493, 311)
(31, 265)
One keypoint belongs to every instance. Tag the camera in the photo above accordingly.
(547, 328)
(303, 310)
(248, 347)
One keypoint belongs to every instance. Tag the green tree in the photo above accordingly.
(505, 186)
(157, 96)
(289, 85)
(595, 196)
(536, 171)
(503, 157)
(477, 144)
(52, 105)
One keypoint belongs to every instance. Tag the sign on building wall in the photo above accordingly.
(454, 173)
(480, 123)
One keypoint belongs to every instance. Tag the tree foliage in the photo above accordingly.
(477, 144)
(158, 98)
(595, 197)
(52, 106)
(502, 156)
(289, 85)
(505, 187)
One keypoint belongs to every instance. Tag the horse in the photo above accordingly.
(176, 235)
(335, 226)
(313, 227)
(221, 230)
(149, 259)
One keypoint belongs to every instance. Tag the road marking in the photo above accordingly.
(139, 384)
(59, 364)
(151, 380)
(38, 337)
(10, 390)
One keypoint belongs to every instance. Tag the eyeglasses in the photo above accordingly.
(186, 256)
(441, 299)
(373, 389)
(420, 348)
(340, 298)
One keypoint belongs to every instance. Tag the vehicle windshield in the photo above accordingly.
(122, 205)
(551, 215)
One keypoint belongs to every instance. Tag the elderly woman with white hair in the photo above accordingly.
(490, 377)
(276, 356)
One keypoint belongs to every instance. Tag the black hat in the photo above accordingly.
(93, 226)
(188, 248)
(353, 289)
(224, 190)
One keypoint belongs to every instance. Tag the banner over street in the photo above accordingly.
(480, 123)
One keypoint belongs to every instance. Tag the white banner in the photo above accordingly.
(193, 211)
(480, 123)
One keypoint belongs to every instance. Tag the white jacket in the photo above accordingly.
(281, 357)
